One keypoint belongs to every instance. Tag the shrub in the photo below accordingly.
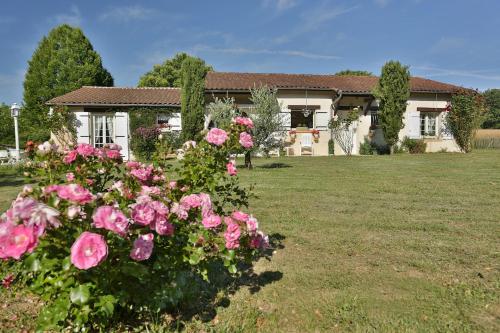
(144, 140)
(414, 146)
(382, 149)
(101, 240)
(366, 148)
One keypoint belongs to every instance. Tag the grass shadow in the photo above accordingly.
(11, 182)
(275, 165)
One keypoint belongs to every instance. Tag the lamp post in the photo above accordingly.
(14, 112)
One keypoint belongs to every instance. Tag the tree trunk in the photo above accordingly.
(248, 160)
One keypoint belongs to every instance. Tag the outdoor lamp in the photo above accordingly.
(14, 112)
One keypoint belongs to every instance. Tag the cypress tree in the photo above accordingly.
(393, 91)
(192, 98)
(63, 61)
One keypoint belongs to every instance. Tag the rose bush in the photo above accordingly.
(100, 239)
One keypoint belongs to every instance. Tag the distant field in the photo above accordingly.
(487, 133)
(402, 243)
(487, 139)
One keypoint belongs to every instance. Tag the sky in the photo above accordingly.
(454, 41)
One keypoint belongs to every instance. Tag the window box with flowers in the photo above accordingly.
(315, 134)
(293, 136)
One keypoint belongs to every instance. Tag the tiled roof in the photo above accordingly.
(114, 96)
(348, 84)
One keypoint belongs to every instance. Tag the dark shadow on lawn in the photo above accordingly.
(11, 182)
(275, 165)
(216, 293)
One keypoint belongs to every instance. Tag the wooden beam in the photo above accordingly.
(302, 107)
(421, 109)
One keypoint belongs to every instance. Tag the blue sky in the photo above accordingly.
(454, 41)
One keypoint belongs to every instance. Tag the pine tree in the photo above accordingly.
(393, 91)
(169, 73)
(192, 98)
(63, 61)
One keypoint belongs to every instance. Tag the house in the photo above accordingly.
(308, 103)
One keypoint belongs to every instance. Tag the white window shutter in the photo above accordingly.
(121, 132)
(286, 117)
(444, 129)
(413, 125)
(322, 119)
(82, 127)
(175, 121)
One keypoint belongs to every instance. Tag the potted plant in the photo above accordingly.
(293, 135)
(315, 134)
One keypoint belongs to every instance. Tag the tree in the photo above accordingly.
(467, 111)
(269, 129)
(343, 132)
(492, 117)
(221, 111)
(63, 61)
(6, 126)
(168, 74)
(348, 72)
(193, 98)
(393, 91)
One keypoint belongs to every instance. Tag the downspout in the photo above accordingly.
(333, 107)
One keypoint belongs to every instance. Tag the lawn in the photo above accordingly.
(376, 243)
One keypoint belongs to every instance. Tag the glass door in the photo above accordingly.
(103, 132)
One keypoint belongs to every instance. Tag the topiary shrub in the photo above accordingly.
(366, 148)
(101, 240)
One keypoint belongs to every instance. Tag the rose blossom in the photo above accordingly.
(133, 164)
(217, 136)
(75, 193)
(259, 241)
(143, 247)
(231, 169)
(180, 211)
(143, 214)
(85, 150)
(246, 140)
(113, 154)
(112, 219)
(70, 157)
(191, 201)
(70, 176)
(232, 236)
(142, 174)
(163, 227)
(245, 121)
(89, 250)
(211, 221)
(252, 224)
(44, 148)
(240, 216)
(73, 211)
(206, 204)
(15, 240)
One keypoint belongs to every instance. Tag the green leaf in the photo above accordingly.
(232, 269)
(106, 304)
(32, 263)
(80, 295)
(52, 317)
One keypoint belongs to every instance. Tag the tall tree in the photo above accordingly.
(492, 117)
(63, 61)
(169, 73)
(349, 72)
(6, 125)
(393, 91)
(193, 98)
(467, 111)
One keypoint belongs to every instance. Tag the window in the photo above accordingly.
(162, 119)
(428, 121)
(302, 119)
(374, 119)
(103, 126)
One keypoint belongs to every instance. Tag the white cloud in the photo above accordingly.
(73, 17)
(280, 5)
(127, 13)
(477, 74)
(446, 44)
(241, 50)
(313, 19)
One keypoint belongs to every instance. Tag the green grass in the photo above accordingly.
(376, 243)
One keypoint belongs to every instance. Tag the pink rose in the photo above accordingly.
(259, 241)
(142, 174)
(246, 140)
(89, 250)
(180, 211)
(111, 218)
(163, 227)
(70, 157)
(211, 221)
(232, 236)
(113, 154)
(240, 216)
(244, 121)
(231, 169)
(252, 224)
(75, 193)
(143, 247)
(206, 204)
(143, 214)
(15, 240)
(70, 176)
(73, 211)
(84, 149)
(191, 201)
(172, 184)
(216, 136)
(133, 165)
(160, 208)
